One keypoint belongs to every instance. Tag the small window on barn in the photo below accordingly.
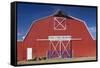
(59, 23)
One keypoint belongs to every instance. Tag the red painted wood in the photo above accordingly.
(44, 27)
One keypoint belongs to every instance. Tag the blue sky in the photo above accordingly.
(27, 13)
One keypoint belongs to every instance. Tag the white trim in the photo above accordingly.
(60, 44)
(54, 46)
(38, 20)
(89, 31)
(58, 29)
(65, 47)
(59, 40)
(32, 24)
(85, 25)
(42, 39)
(76, 39)
(59, 23)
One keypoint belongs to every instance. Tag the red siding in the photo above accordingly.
(44, 27)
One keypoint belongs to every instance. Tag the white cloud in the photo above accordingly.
(23, 37)
(92, 29)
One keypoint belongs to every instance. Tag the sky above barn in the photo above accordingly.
(27, 13)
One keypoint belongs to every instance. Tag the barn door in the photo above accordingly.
(59, 23)
(29, 53)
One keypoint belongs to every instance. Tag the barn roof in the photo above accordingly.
(60, 13)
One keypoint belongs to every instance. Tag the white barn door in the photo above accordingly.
(29, 53)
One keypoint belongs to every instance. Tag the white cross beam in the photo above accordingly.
(58, 23)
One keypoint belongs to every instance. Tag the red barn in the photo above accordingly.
(57, 36)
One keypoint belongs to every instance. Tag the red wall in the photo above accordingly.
(44, 28)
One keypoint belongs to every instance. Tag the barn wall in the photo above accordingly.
(41, 29)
